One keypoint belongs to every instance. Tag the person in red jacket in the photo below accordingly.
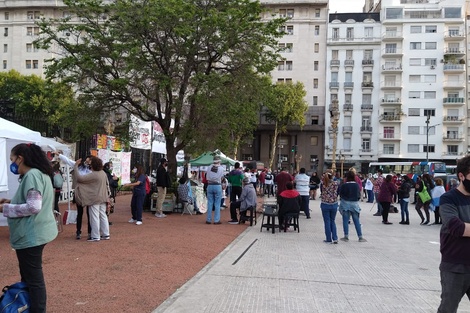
(281, 180)
(289, 202)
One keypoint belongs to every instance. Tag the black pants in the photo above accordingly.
(454, 287)
(235, 193)
(80, 217)
(437, 216)
(56, 199)
(385, 210)
(233, 210)
(30, 263)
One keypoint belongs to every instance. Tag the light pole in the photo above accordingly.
(341, 159)
(427, 136)
(334, 115)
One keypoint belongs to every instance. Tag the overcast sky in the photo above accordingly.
(346, 6)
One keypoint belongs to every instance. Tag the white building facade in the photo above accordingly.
(353, 51)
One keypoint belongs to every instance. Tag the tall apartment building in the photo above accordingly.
(303, 59)
(353, 51)
(423, 95)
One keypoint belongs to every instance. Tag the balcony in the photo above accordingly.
(348, 63)
(392, 52)
(347, 107)
(392, 85)
(454, 51)
(335, 63)
(454, 101)
(366, 129)
(453, 119)
(454, 68)
(347, 129)
(390, 136)
(367, 62)
(392, 36)
(391, 101)
(454, 84)
(391, 68)
(367, 107)
(366, 152)
(454, 35)
(334, 85)
(453, 136)
(348, 85)
(367, 85)
(391, 118)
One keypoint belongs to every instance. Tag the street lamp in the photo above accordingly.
(334, 115)
(427, 135)
(341, 159)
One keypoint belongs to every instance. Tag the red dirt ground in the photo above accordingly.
(135, 271)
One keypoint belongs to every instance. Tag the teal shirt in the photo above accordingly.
(37, 229)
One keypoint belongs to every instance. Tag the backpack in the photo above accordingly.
(147, 185)
(15, 298)
(58, 181)
(268, 177)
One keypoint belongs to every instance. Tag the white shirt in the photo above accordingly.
(302, 182)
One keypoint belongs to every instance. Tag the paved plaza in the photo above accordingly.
(396, 270)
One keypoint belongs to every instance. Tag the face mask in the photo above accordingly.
(466, 185)
(14, 168)
(134, 171)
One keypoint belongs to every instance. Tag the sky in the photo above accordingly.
(346, 6)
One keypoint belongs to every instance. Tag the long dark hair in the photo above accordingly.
(140, 171)
(33, 157)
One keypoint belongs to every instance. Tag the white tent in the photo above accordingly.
(12, 134)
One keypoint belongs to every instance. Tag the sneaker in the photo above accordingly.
(362, 240)
(105, 237)
(344, 239)
(217, 223)
(160, 215)
(335, 242)
(377, 214)
(78, 236)
(326, 241)
(93, 239)
(207, 222)
(132, 220)
(233, 222)
(138, 223)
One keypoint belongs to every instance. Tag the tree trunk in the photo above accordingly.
(171, 157)
(273, 146)
(236, 142)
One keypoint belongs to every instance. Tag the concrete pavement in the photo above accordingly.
(397, 270)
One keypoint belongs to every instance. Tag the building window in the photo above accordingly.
(315, 100)
(349, 54)
(288, 80)
(430, 62)
(389, 132)
(4, 64)
(35, 64)
(414, 94)
(335, 34)
(413, 148)
(314, 140)
(453, 12)
(429, 148)
(348, 77)
(350, 33)
(365, 144)
(413, 112)
(415, 29)
(389, 149)
(315, 83)
(415, 45)
(290, 13)
(289, 47)
(415, 78)
(289, 66)
(290, 30)
(430, 45)
(415, 62)
(430, 29)
(429, 95)
(366, 98)
(413, 130)
(280, 65)
(317, 12)
(280, 80)
(5, 48)
(317, 30)
(316, 48)
(32, 30)
(29, 47)
(315, 65)
(315, 120)
(30, 15)
(368, 32)
(7, 16)
(334, 54)
(453, 150)
(429, 112)
(368, 54)
(28, 64)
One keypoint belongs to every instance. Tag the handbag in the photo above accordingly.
(15, 298)
(424, 194)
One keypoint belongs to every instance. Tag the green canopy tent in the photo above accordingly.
(207, 158)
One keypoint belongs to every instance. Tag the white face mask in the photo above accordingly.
(134, 171)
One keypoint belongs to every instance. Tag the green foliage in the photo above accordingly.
(159, 59)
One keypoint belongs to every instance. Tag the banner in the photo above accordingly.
(121, 163)
(140, 131)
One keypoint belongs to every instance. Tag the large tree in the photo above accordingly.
(286, 107)
(158, 58)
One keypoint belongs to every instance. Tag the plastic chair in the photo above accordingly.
(251, 217)
(270, 212)
(291, 219)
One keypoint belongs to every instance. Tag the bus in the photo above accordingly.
(411, 169)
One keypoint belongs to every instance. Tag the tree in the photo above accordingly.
(285, 107)
(32, 98)
(159, 59)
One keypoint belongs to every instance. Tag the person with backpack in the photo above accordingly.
(138, 194)
(57, 182)
(423, 188)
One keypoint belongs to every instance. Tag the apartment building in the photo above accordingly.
(304, 60)
(353, 54)
(423, 85)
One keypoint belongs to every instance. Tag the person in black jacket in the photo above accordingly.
(404, 198)
(163, 183)
(113, 184)
(289, 202)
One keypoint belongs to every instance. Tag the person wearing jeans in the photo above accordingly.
(350, 195)
(387, 191)
(214, 177)
(404, 197)
(329, 205)
(302, 182)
